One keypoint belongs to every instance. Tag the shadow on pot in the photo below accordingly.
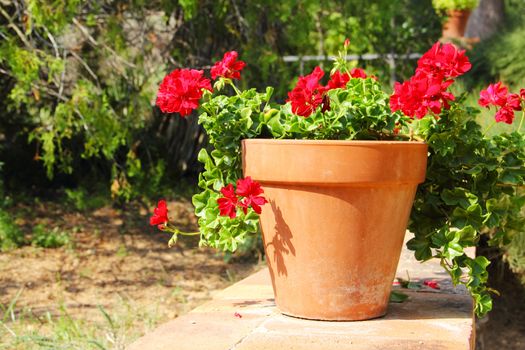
(281, 241)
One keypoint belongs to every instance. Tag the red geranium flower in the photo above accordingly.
(338, 80)
(421, 93)
(250, 190)
(160, 215)
(357, 73)
(522, 94)
(181, 90)
(505, 114)
(228, 203)
(495, 94)
(228, 67)
(432, 284)
(307, 95)
(444, 60)
(514, 102)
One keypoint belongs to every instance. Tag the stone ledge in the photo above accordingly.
(244, 316)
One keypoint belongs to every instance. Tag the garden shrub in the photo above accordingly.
(10, 234)
(49, 238)
(78, 79)
(489, 64)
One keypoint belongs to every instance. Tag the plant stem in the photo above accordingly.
(522, 117)
(234, 87)
(178, 232)
(188, 233)
(488, 128)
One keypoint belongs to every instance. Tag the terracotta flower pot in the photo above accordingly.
(334, 225)
(454, 26)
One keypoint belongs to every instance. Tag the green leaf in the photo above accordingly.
(421, 247)
(397, 297)
(459, 196)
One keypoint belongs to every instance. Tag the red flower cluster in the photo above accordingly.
(246, 196)
(160, 215)
(497, 95)
(421, 93)
(338, 80)
(309, 94)
(444, 61)
(228, 67)
(426, 90)
(432, 284)
(181, 90)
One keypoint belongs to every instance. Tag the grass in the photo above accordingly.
(24, 329)
(49, 238)
(81, 200)
(10, 234)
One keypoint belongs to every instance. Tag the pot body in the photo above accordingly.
(456, 23)
(334, 225)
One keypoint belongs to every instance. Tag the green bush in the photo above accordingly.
(81, 200)
(10, 234)
(46, 238)
(500, 59)
(78, 79)
(515, 255)
(444, 5)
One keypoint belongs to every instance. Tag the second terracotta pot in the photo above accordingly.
(455, 24)
(334, 225)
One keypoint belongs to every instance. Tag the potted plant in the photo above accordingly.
(331, 175)
(456, 13)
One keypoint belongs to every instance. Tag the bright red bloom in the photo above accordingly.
(421, 93)
(338, 80)
(495, 94)
(514, 102)
(160, 215)
(432, 284)
(228, 203)
(444, 60)
(307, 95)
(181, 90)
(250, 190)
(505, 114)
(228, 67)
(522, 94)
(357, 73)
(346, 43)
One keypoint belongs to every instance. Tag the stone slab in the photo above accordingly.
(243, 316)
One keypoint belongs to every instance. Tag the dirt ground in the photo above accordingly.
(115, 255)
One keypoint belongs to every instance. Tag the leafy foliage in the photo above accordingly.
(443, 5)
(471, 189)
(46, 238)
(10, 235)
(77, 79)
(488, 65)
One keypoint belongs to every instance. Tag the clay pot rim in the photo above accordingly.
(336, 142)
